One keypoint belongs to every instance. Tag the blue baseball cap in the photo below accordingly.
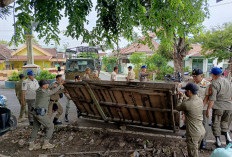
(144, 66)
(192, 87)
(30, 73)
(216, 71)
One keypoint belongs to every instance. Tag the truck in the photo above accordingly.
(86, 57)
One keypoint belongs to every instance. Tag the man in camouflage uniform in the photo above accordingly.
(54, 99)
(143, 75)
(193, 108)
(203, 86)
(220, 94)
(41, 116)
(131, 75)
(18, 92)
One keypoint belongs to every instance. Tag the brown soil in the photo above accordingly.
(71, 140)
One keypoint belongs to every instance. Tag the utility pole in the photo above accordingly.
(30, 58)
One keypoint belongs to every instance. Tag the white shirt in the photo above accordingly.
(30, 86)
(113, 76)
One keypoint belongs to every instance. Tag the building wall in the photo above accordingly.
(43, 64)
(2, 66)
(35, 53)
(17, 64)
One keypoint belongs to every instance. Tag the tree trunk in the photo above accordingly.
(178, 64)
(230, 65)
(180, 51)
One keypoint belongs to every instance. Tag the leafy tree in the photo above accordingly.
(138, 59)
(217, 42)
(4, 12)
(171, 20)
(159, 60)
(109, 61)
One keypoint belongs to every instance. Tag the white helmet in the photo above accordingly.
(3, 100)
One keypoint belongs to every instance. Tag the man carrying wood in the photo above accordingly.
(193, 109)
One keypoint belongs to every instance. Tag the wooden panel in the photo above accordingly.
(147, 104)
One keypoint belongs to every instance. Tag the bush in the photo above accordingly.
(44, 74)
(14, 77)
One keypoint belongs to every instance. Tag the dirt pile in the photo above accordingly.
(73, 141)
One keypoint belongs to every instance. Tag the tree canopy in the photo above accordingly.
(171, 20)
(216, 42)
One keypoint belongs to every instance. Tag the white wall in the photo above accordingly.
(189, 64)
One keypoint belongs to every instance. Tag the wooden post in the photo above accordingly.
(172, 108)
(96, 103)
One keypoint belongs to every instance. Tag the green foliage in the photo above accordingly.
(14, 77)
(216, 42)
(3, 42)
(109, 61)
(163, 71)
(44, 74)
(46, 16)
(158, 60)
(6, 11)
(138, 59)
(187, 69)
(88, 55)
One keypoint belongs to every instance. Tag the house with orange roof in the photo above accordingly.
(125, 53)
(195, 60)
(44, 57)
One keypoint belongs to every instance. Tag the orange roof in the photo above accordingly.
(139, 47)
(4, 52)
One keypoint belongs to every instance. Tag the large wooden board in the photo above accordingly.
(137, 103)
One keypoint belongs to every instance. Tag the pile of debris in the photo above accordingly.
(72, 140)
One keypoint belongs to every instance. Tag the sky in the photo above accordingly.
(219, 13)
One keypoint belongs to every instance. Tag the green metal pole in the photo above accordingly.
(96, 103)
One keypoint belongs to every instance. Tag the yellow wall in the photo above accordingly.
(17, 64)
(35, 53)
(43, 64)
(2, 66)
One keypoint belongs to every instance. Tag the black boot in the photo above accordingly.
(228, 139)
(66, 118)
(203, 144)
(218, 142)
(56, 122)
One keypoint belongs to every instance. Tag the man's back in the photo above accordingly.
(221, 94)
(193, 109)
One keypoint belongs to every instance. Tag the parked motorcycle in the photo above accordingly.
(7, 120)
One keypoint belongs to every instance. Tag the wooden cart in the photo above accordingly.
(137, 103)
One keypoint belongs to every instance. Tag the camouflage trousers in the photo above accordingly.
(193, 144)
(221, 120)
(46, 122)
(23, 110)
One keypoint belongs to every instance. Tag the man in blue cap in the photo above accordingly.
(29, 87)
(193, 110)
(220, 94)
(143, 75)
